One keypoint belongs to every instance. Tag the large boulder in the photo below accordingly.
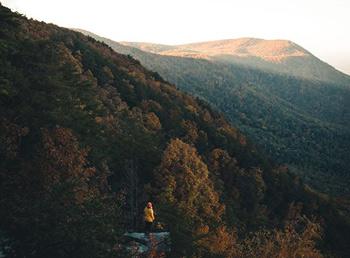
(137, 243)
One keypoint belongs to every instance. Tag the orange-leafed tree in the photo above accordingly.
(189, 201)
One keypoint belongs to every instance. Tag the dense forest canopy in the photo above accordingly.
(299, 122)
(88, 135)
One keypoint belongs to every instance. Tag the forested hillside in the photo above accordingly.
(88, 135)
(298, 122)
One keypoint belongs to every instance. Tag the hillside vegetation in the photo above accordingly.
(299, 122)
(89, 135)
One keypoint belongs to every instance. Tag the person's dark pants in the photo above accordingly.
(148, 227)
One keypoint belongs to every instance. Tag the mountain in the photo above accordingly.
(280, 56)
(299, 122)
(88, 136)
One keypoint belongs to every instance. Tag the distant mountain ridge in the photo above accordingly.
(268, 50)
(280, 56)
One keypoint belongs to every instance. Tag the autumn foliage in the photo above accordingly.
(87, 136)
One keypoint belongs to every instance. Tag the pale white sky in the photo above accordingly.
(320, 26)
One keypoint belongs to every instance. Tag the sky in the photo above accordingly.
(320, 26)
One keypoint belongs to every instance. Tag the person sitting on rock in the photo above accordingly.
(148, 217)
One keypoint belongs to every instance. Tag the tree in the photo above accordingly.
(297, 239)
(184, 187)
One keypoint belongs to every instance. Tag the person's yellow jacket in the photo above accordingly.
(148, 215)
